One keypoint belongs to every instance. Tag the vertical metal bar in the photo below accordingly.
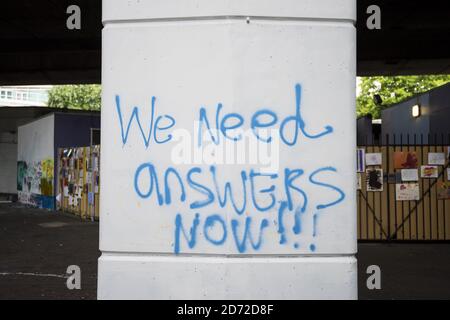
(388, 201)
(359, 204)
(395, 198)
(359, 214)
(429, 193)
(372, 200)
(443, 178)
(422, 189)
(374, 194)
(409, 202)
(416, 203)
(367, 195)
(381, 193)
(435, 191)
(402, 202)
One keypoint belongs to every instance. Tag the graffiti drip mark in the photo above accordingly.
(315, 217)
(281, 230)
(297, 228)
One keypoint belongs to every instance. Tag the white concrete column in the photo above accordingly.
(264, 206)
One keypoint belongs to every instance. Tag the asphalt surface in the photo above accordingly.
(37, 246)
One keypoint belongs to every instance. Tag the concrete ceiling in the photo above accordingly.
(37, 48)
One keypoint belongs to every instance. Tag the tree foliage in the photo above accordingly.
(81, 97)
(393, 90)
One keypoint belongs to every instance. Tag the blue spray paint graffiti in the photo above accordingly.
(245, 203)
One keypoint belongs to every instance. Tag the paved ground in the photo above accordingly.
(36, 246)
(409, 270)
(35, 253)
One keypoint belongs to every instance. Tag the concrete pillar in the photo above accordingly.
(264, 206)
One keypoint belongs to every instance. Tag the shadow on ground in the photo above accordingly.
(37, 246)
(408, 270)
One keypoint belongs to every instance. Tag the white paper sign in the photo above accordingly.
(407, 191)
(437, 158)
(373, 159)
(410, 174)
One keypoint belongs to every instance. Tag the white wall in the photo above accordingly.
(292, 59)
(35, 146)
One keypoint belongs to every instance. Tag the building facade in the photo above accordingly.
(424, 117)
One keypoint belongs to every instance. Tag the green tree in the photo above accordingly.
(393, 90)
(81, 97)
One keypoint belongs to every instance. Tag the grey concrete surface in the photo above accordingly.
(37, 246)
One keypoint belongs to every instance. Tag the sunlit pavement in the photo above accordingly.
(37, 246)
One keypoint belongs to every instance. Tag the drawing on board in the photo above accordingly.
(443, 190)
(374, 179)
(429, 171)
(405, 160)
(407, 191)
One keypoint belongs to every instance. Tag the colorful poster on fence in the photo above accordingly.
(373, 159)
(374, 179)
(437, 158)
(360, 160)
(429, 171)
(410, 175)
(443, 190)
(407, 191)
(405, 160)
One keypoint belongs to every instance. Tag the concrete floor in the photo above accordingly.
(37, 246)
